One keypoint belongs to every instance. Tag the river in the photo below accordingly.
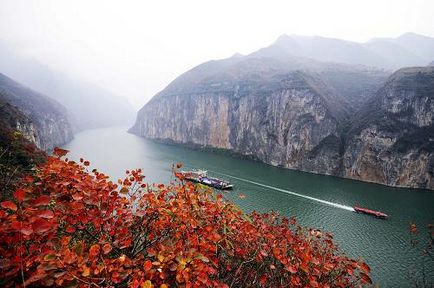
(322, 202)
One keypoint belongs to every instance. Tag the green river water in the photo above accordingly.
(383, 244)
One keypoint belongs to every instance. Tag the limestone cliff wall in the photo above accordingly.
(296, 120)
(289, 127)
(392, 141)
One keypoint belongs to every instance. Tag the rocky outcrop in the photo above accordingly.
(40, 119)
(392, 138)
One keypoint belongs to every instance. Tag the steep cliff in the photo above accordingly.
(263, 108)
(392, 138)
(298, 113)
(18, 155)
(40, 119)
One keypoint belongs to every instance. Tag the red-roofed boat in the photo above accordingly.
(377, 214)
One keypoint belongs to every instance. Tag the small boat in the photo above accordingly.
(367, 211)
(201, 176)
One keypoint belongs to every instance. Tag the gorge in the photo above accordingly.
(341, 119)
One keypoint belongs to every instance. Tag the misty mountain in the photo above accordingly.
(324, 49)
(262, 72)
(90, 106)
(391, 53)
(42, 120)
(418, 44)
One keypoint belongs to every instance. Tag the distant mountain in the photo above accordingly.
(420, 45)
(326, 49)
(431, 64)
(391, 53)
(42, 121)
(89, 105)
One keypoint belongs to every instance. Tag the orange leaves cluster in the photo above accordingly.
(69, 226)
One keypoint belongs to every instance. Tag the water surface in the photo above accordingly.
(384, 244)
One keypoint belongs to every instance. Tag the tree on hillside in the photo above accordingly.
(68, 226)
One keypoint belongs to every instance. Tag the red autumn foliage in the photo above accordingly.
(72, 227)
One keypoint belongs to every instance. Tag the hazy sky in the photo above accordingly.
(135, 48)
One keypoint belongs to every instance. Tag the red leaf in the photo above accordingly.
(86, 163)
(86, 271)
(365, 268)
(107, 248)
(59, 152)
(42, 200)
(70, 229)
(313, 283)
(47, 214)
(263, 280)
(135, 284)
(94, 250)
(41, 226)
(19, 195)
(27, 230)
(9, 205)
(77, 196)
(365, 278)
(292, 269)
(147, 265)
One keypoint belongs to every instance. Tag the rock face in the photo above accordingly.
(335, 119)
(40, 119)
(292, 121)
(392, 138)
(282, 110)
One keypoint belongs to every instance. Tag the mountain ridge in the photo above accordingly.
(388, 53)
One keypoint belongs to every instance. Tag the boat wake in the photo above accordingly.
(337, 205)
